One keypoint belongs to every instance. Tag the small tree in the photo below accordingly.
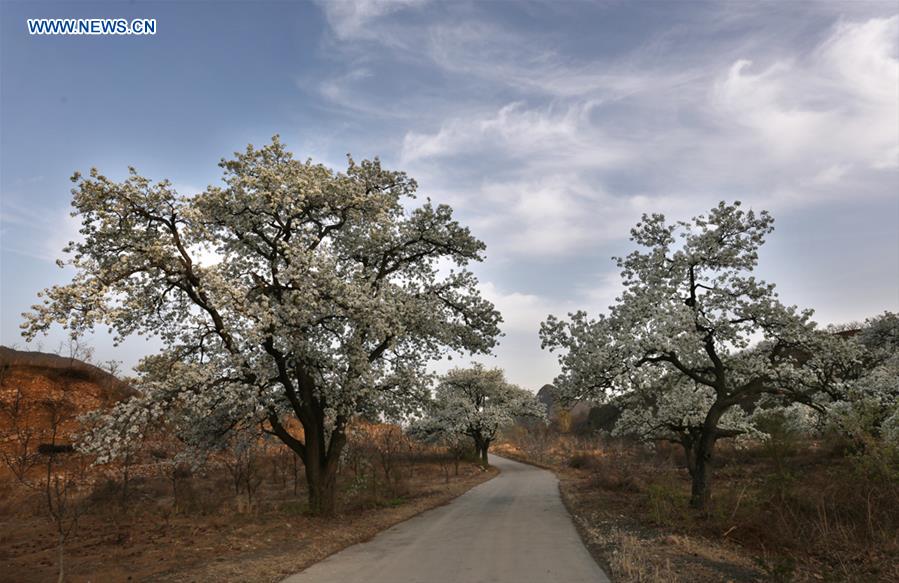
(243, 458)
(433, 431)
(293, 292)
(76, 349)
(387, 441)
(59, 485)
(478, 402)
(20, 434)
(687, 320)
(63, 500)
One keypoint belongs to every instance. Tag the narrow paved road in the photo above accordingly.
(511, 529)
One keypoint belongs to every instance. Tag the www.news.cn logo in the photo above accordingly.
(89, 26)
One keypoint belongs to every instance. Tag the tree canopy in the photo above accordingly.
(477, 402)
(697, 334)
(291, 291)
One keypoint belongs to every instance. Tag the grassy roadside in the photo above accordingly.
(287, 557)
(221, 544)
(807, 521)
(631, 550)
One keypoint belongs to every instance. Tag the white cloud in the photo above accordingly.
(552, 135)
(864, 56)
(56, 228)
(831, 174)
(522, 315)
(550, 149)
(521, 312)
(350, 18)
(347, 92)
(534, 195)
(500, 56)
(835, 107)
(546, 216)
(186, 189)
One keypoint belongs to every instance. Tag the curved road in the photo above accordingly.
(511, 529)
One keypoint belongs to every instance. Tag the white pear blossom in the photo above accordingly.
(324, 301)
(870, 407)
(695, 333)
(477, 402)
(677, 414)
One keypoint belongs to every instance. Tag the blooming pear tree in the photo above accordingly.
(290, 299)
(436, 432)
(698, 331)
(676, 414)
(477, 402)
(870, 408)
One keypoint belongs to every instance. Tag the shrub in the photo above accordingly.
(582, 461)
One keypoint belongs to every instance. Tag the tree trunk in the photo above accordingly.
(296, 475)
(320, 457)
(322, 491)
(483, 453)
(479, 448)
(61, 550)
(699, 459)
(321, 470)
(700, 491)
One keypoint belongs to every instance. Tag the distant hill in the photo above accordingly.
(582, 417)
(102, 386)
(36, 387)
(548, 395)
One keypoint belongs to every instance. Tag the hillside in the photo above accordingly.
(40, 391)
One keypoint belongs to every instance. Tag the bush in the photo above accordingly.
(582, 461)
(616, 479)
(105, 492)
(667, 503)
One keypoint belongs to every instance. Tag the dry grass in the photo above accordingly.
(635, 552)
(806, 512)
(208, 539)
(240, 516)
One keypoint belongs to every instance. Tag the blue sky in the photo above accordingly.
(549, 127)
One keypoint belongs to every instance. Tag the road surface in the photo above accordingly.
(511, 529)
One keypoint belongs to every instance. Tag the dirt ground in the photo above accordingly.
(633, 551)
(218, 543)
(634, 518)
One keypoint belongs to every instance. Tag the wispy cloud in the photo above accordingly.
(351, 18)
(786, 131)
(20, 222)
(551, 136)
(835, 107)
(522, 62)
